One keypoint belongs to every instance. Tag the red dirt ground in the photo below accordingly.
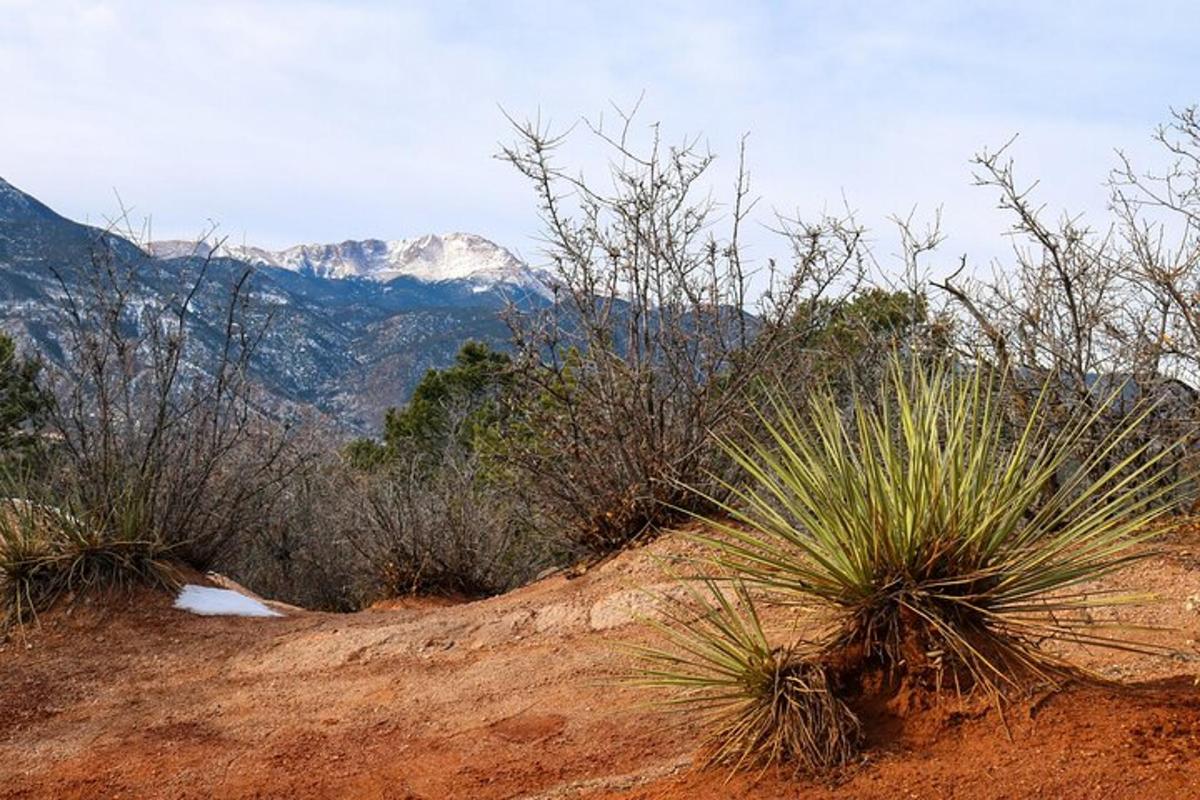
(514, 697)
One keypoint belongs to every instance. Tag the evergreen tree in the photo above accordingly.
(457, 404)
(23, 403)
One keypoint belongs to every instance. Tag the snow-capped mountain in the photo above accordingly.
(432, 258)
(353, 327)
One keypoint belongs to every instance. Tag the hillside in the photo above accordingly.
(513, 697)
(353, 326)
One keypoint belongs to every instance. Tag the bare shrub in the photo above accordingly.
(650, 342)
(1093, 308)
(438, 522)
(298, 550)
(444, 529)
(155, 419)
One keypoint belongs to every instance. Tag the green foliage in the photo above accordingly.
(23, 403)
(942, 535)
(457, 405)
(458, 401)
(367, 454)
(869, 319)
(764, 704)
(848, 342)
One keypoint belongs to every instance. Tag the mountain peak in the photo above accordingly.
(16, 206)
(431, 257)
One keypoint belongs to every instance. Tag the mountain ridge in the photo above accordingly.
(347, 339)
(431, 257)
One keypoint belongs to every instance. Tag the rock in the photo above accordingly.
(631, 605)
(560, 618)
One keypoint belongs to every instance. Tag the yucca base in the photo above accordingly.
(939, 646)
(792, 714)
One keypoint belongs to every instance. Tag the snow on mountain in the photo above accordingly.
(347, 348)
(432, 258)
(15, 204)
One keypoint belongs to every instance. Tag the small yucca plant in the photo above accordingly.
(46, 552)
(943, 535)
(764, 704)
(26, 560)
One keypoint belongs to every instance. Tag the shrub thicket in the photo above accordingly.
(156, 450)
(652, 337)
(651, 386)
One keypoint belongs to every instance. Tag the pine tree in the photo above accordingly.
(23, 403)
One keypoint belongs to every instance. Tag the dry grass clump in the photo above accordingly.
(46, 553)
(949, 543)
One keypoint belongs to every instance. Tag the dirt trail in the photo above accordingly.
(513, 697)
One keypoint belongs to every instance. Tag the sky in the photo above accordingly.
(309, 121)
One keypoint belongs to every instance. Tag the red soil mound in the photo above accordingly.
(514, 697)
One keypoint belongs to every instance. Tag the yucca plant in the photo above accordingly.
(940, 532)
(763, 704)
(26, 560)
(47, 551)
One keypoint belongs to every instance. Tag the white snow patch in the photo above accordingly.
(209, 602)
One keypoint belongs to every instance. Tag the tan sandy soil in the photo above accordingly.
(514, 697)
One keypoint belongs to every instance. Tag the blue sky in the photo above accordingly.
(300, 121)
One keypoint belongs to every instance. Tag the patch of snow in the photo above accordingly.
(274, 298)
(209, 602)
